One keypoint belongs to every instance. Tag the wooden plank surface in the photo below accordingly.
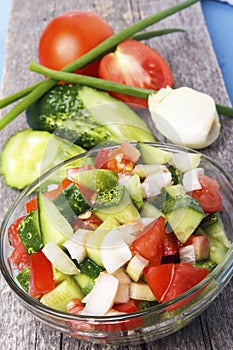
(193, 63)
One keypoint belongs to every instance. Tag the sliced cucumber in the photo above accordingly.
(29, 153)
(183, 214)
(59, 297)
(154, 155)
(70, 202)
(24, 278)
(54, 227)
(29, 232)
(96, 179)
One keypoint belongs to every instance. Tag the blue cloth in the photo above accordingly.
(219, 20)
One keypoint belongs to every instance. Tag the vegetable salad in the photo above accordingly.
(137, 226)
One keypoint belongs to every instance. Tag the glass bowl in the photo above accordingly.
(147, 325)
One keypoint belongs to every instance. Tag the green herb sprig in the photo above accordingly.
(35, 91)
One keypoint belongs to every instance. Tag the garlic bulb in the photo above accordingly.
(185, 116)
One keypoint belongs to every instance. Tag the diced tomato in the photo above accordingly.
(120, 160)
(159, 279)
(41, 275)
(19, 258)
(31, 205)
(51, 195)
(13, 233)
(167, 281)
(72, 171)
(150, 243)
(209, 195)
(185, 277)
(74, 306)
(128, 307)
(171, 244)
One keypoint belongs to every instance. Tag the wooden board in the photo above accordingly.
(192, 60)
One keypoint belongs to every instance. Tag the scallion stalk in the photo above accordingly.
(97, 83)
(90, 56)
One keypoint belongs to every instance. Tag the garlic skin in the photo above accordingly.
(185, 116)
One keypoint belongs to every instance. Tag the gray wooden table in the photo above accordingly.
(192, 60)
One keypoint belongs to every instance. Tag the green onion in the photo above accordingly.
(106, 85)
(97, 83)
(90, 56)
(154, 33)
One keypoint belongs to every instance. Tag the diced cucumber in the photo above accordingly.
(85, 282)
(134, 188)
(184, 161)
(71, 202)
(54, 226)
(177, 176)
(24, 278)
(59, 297)
(150, 211)
(90, 268)
(219, 243)
(116, 202)
(29, 232)
(175, 190)
(95, 238)
(154, 155)
(96, 179)
(183, 214)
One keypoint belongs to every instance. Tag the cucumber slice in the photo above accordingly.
(23, 158)
(29, 232)
(62, 294)
(59, 259)
(29, 153)
(183, 214)
(154, 155)
(54, 227)
(24, 278)
(96, 179)
(70, 202)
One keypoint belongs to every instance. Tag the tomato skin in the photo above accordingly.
(41, 275)
(119, 160)
(31, 205)
(159, 279)
(135, 64)
(167, 281)
(19, 258)
(209, 195)
(150, 243)
(69, 36)
(128, 307)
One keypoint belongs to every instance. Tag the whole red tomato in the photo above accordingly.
(69, 36)
(135, 64)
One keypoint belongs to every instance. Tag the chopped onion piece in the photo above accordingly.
(191, 179)
(122, 295)
(101, 298)
(115, 251)
(187, 254)
(76, 245)
(153, 183)
(59, 259)
(185, 161)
